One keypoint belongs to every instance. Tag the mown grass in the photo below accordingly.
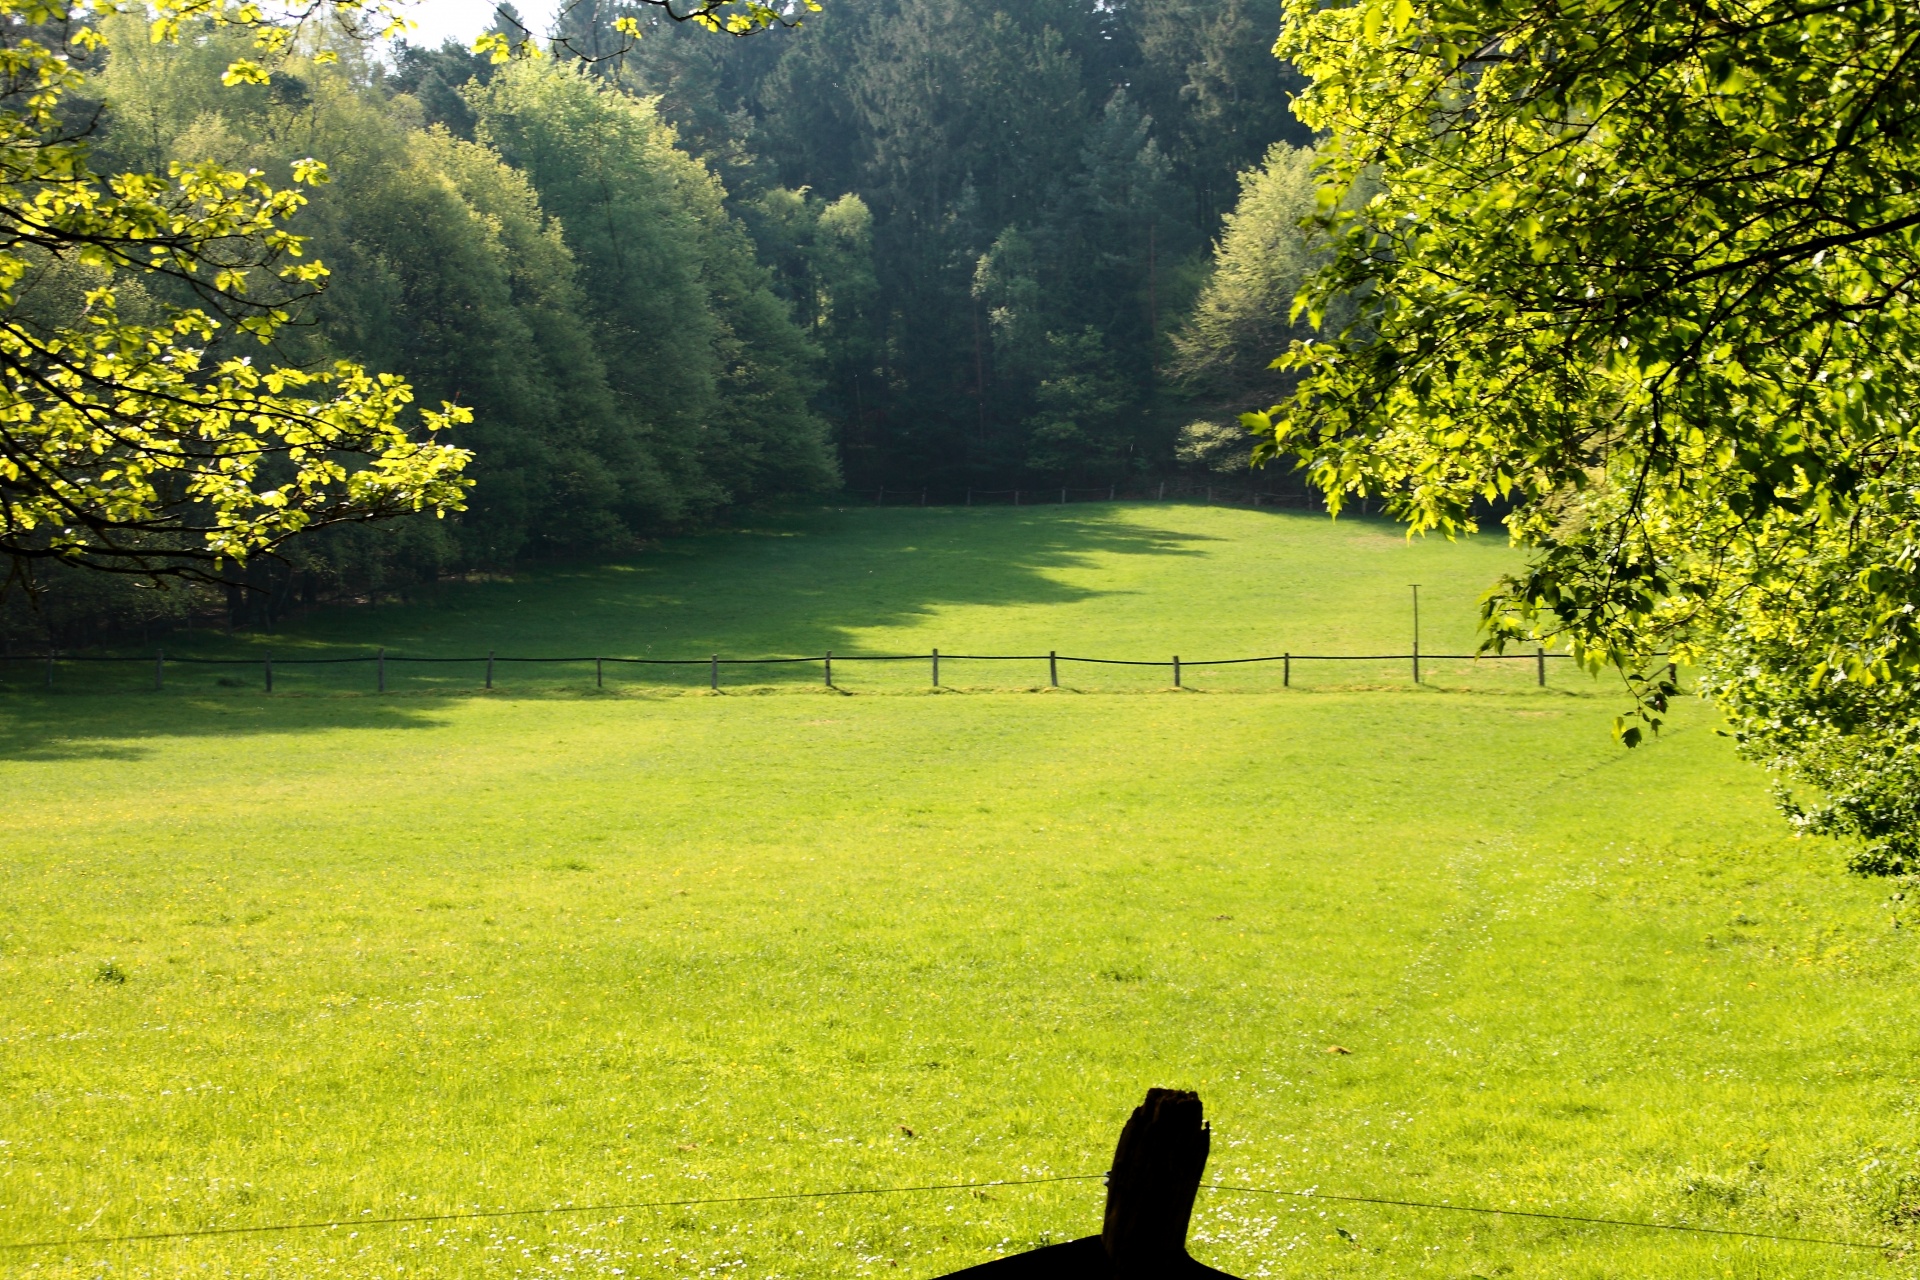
(317, 958)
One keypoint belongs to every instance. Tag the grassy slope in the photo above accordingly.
(406, 955)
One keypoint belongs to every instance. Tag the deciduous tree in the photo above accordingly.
(137, 431)
(1645, 274)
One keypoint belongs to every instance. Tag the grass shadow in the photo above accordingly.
(112, 726)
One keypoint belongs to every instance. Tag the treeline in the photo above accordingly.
(559, 265)
(910, 243)
(1044, 179)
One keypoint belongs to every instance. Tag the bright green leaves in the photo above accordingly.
(1606, 260)
(1650, 276)
(133, 438)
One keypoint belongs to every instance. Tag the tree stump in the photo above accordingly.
(1150, 1192)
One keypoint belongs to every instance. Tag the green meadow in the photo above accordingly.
(327, 956)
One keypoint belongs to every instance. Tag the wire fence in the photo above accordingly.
(1442, 1206)
(487, 667)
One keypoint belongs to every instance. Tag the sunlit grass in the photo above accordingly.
(317, 958)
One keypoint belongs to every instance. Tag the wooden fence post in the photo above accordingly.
(380, 669)
(1016, 497)
(268, 664)
(1416, 632)
(599, 681)
(1286, 671)
(1163, 491)
(1063, 497)
(969, 497)
(1151, 1187)
(1111, 490)
(713, 672)
(881, 501)
(489, 668)
(1053, 668)
(936, 668)
(1540, 659)
(829, 662)
(1176, 671)
(49, 668)
(159, 669)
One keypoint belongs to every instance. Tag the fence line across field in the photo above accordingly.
(1047, 496)
(366, 1220)
(713, 662)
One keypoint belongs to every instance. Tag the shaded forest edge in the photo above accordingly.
(913, 244)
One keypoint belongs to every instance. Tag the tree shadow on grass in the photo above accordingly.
(799, 583)
(791, 583)
(117, 726)
(795, 583)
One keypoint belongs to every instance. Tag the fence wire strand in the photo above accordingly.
(480, 1214)
(1553, 1217)
(476, 1214)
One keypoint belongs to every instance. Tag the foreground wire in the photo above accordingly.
(529, 1213)
(472, 1214)
(1555, 1217)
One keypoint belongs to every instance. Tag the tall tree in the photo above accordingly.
(697, 347)
(1205, 69)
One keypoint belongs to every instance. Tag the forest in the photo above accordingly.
(902, 243)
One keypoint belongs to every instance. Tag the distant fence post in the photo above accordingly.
(1016, 497)
(1111, 490)
(923, 497)
(489, 668)
(1540, 659)
(829, 665)
(1063, 497)
(936, 668)
(713, 672)
(969, 497)
(159, 669)
(881, 501)
(1209, 495)
(49, 668)
(267, 662)
(380, 669)
(1286, 671)
(1176, 671)
(1053, 668)
(1163, 491)
(599, 681)
(1416, 631)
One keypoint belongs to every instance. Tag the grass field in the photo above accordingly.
(330, 957)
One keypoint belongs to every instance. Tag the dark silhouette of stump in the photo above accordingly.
(1150, 1191)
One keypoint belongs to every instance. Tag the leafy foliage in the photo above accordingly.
(1645, 273)
(587, 429)
(699, 347)
(1264, 255)
(136, 432)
